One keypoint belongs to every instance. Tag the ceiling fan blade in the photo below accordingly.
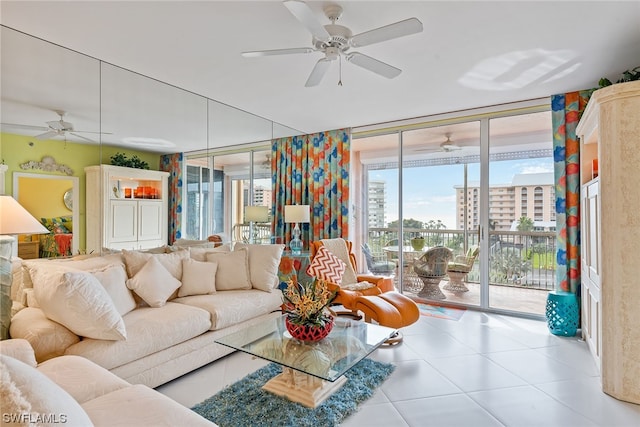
(81, 137)
(90, 131)
(24, 126)
(290, 51)
(373, 65)
(318, 72)
(305, 15)
(388, 32)
(47, 135)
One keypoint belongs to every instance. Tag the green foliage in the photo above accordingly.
(406, 223)
(435, 225)
(120, 159)
(627, 76)
(507, 262)
(525, 224)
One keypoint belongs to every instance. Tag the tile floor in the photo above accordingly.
(483, 370)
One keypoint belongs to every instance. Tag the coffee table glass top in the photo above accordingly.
(349, 342)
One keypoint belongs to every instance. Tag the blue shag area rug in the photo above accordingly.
(246, 404)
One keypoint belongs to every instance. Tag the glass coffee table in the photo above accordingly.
(311, 372)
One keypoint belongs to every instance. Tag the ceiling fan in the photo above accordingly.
(335, 41)
(447, 146)
(56, 128)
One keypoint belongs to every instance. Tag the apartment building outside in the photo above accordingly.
(530, 195)
(376, 204)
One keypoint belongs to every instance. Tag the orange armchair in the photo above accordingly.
(367, 284)
(373, 296)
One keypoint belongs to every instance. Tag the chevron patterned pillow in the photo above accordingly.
(326, 266)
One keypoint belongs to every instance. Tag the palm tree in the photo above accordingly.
(525, 224)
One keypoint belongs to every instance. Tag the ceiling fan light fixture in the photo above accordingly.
(335, 40)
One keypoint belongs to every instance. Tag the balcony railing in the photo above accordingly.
(516, 258)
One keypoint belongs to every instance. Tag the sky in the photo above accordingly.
(429, 192)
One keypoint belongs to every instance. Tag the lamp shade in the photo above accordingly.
(256, 213)
(296, 213)
(14, 219)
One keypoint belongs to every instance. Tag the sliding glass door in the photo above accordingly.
(481, 187)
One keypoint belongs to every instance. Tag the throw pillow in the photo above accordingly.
(91, 263)
(198, 278)
(135, 260)
(264, 261)
(200, 254)
(42, 395)
(78, 301)
(153, 283)
(326, 266)
(194, 243)
(233, 269)
(114, 280)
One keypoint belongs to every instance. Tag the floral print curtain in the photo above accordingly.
(172, 163)
(566, 110)
(312, 170)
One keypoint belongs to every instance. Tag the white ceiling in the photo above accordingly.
(470, 54)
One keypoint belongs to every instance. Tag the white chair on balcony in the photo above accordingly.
(458, 269)
(431, 268)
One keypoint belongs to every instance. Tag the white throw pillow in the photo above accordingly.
(114, 280)
(198, 278)
(233, 270)
(264, 262)
(90, 263)
(77, 300)
(153, 283)
(200, 254)
(42, 396)
(172, 262)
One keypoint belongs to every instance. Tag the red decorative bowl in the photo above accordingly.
(308, 333)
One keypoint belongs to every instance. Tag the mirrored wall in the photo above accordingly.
(62, 111)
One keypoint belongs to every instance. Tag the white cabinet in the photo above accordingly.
(126, 208)
(609, 132)
(590, 273)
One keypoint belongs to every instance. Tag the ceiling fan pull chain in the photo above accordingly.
(340, 68)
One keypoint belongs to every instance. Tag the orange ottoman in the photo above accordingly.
(390, 309)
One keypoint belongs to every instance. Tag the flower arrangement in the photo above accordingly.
(307, 303)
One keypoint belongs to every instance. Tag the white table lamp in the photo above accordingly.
(14, 219)
(296, 214)
(255, 214)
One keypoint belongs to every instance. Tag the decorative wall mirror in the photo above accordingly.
(45, 197)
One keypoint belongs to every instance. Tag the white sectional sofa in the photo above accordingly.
(146, 317)
(73, 391)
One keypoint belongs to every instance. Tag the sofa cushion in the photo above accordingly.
(148, 330)
(198, 278)
(264, 261)
(114, 280)
(135, 260)
(77, 300)
(81, 378)
(194, 243)
(48, 338)
(233, 269)
(20, 349)
(44, 397)
(153, 283)
(140, 405)
(200, 254)
(232, 307)
(90, 263)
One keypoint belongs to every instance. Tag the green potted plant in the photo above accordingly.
(417, 243)
(627, 76)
